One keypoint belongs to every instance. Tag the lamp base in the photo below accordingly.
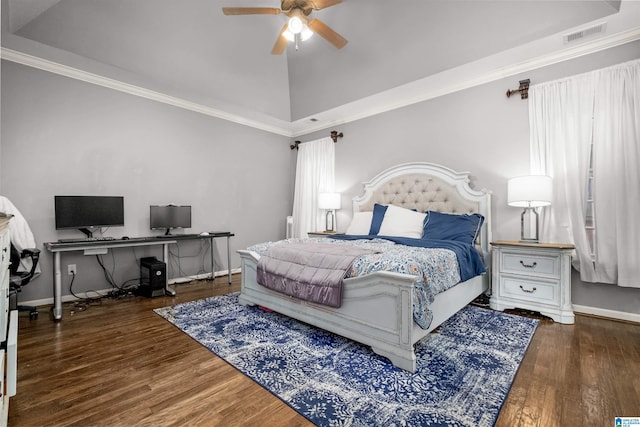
(330, 221)
(525, 240)
(535, 237)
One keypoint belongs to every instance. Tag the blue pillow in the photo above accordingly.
(461, 228)
(376, 220)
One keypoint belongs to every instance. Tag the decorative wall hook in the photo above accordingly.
(523, 89)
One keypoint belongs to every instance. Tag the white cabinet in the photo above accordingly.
(533, 276)
(5, 248)
(8, 327)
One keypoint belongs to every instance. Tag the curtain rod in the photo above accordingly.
(334, 135)
(523, 89)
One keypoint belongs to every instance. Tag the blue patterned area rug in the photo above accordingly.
(464, 371)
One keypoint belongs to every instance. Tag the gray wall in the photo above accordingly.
(478, 130)
(62, 136)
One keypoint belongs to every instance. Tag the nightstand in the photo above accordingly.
(532, 276)
(321, 233)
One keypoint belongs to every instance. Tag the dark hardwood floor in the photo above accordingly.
(118, 363)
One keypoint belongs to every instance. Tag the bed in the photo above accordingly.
(377, 308)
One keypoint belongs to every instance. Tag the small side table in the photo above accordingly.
(532, 276)
(321, 233)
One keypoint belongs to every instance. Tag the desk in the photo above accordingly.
(97, 247)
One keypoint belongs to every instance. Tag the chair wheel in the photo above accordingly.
(33, 315)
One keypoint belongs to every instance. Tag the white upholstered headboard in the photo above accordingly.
(427, 186)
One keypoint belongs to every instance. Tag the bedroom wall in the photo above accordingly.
(478, 130)
(62, 136)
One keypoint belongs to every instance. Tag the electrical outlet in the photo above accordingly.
(72, 269)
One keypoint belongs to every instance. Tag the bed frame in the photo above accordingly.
(377, 309)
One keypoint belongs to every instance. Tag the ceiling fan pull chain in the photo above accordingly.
(296, 37)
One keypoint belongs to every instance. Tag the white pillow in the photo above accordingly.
(401, 222)
(360, 224)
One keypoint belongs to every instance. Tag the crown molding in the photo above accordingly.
(450, 81)
(136, 90)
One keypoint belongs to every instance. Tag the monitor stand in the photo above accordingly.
(88, 232)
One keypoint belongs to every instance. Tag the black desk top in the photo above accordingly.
(160, 239)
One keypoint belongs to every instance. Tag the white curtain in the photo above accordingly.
(568, 117)
(315, 173)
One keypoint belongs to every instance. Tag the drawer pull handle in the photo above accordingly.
(529, 265)
(529, 291)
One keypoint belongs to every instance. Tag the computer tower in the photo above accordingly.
(153, 277)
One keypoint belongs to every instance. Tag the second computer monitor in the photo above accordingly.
(168, 217)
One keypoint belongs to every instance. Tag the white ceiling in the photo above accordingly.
(189, 54)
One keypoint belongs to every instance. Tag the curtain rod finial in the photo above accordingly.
(335, 135)
(523, 89)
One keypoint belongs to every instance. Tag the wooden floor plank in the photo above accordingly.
(119, 363)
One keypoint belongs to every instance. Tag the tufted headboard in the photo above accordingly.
(427, 186)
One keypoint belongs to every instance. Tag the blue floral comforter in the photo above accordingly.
(438, 264)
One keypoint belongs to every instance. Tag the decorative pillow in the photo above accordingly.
(401, 222)
(459, 227)
(378, 216)
(360, 224)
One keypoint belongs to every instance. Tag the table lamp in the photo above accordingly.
(529, 192)
(330, 202)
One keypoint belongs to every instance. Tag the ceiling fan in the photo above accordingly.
(299, 26)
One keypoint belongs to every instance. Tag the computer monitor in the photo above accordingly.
(87, 212)
(169, 217)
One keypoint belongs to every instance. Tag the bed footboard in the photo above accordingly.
(377, 310)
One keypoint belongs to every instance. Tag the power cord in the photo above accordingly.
(82, 304)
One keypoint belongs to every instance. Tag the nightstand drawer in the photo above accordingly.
(529, 290)
(536, 264)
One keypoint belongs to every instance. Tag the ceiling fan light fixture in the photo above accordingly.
(295, 25)
(305, 34)
(289, 35)
(298, 27)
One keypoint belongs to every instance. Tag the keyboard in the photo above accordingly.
(86, 239)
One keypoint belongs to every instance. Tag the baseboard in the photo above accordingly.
(93, 294)
(603, 312)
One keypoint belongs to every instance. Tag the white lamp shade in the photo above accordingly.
(329, 200)
(529, 191)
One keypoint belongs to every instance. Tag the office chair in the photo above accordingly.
(18, 279)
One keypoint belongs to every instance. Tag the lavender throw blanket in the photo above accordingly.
(309, 271)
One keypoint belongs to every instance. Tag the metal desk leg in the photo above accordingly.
(165, 258)
(229, 259)
(213, 262)
(57, 287)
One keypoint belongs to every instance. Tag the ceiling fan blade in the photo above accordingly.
(250, 11)
(317, 26)
(281, 42)
(322, 4)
